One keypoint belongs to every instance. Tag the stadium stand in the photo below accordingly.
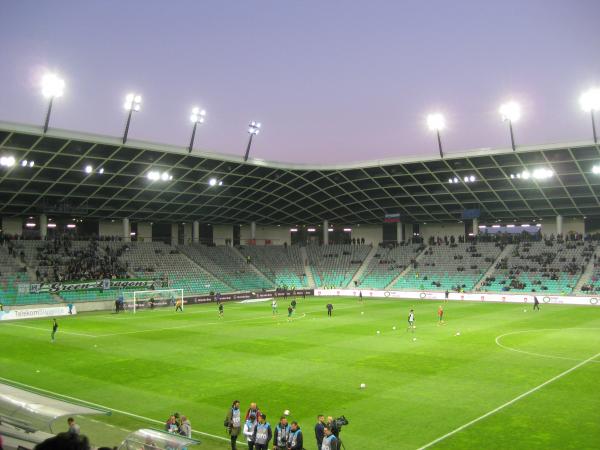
(227, 265)
(548, 266)
(280, 264)
(335, 265)
(456, 266)
(387, 263)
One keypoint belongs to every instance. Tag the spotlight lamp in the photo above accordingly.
(198, 116)
(253, 130)
(590, 102)
(52, 87)
(511, 112)
(133, 103)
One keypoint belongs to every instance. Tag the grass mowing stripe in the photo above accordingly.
(47, 330)
(510, 402)
(541, 355)
(96, 405)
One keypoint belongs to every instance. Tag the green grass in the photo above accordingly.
(156, 362)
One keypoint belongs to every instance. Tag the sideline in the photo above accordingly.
(96, 405)
(541, 355)
(510, 402)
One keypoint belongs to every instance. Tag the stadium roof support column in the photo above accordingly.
(43, 226)
(126, 230)
(325, 232)
(475, 226)
(399, 232)
(196, 232)
(559, 225)
(253, 231)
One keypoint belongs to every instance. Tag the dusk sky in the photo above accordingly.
(331, 81)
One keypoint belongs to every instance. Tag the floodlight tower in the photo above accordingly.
(511, 112)
(436, 123)
(133, 102)
(196, 117)
(253, 129)
(52, 87)
(590, 102)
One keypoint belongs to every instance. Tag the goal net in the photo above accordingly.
(154, 299)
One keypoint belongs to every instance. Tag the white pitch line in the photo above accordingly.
(508, 403)
(96, 405)
(541, 355)
(48, 331)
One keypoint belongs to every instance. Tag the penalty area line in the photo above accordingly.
(96, 405)
(508, 403)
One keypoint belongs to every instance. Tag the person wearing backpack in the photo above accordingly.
(233, 422)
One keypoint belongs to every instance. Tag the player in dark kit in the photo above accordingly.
(221, 309)
(290, 312)
(329, 309)
(54, 329)
(536, 303)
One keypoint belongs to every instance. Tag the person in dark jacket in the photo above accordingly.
(233, 422)
(282, 433)
(295, 440)
(320, 431)
(262, 433)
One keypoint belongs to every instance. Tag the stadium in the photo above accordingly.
(170, 297)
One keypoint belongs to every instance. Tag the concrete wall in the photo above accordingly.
(13, 225)
(144, 232)
(569, 225)
(277, 235)
(174, 234)
(222, 232)
(373, 234)
(108, 228)
(188, 230)
(440, 229)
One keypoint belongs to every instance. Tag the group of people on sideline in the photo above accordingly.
(286, 435)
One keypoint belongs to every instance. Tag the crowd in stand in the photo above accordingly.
(60, 261)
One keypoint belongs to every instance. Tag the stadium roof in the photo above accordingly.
(280, 193)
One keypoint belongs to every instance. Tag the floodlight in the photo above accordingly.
(153, 175)
(71, 225)
(472, 178)
(590, 102)
(455, 180)
(436, 122)
(449, 180)
(52, 86)
(88, 169)
(510, 111)
(101, 171)
(133, 102)
(466, 179)
(542, 174)
(596, 170)
(525, 175)
(212, 182)
(7, 161)
(24, 163)
(253, 129)
(220, 183)
(51, 225)
(165, 176)
(198, 115)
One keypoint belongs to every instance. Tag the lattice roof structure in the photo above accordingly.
(281, 193)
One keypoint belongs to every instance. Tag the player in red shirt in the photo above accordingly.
(441, 315)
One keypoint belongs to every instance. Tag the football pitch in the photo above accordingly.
(494, 376)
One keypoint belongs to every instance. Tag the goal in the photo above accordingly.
(154, 299)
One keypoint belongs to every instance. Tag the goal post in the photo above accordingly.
(154, 298)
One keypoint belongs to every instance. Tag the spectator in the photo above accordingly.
(73, 427)
(185, 429)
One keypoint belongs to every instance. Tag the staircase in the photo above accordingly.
(181, 249)
(505, 253)
(364, 266)
(252, 267)
(408, 268)
(587, 274)
(310, 280)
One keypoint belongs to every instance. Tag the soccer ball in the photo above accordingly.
(378, 331)
(362, 313)
(393, 328)
(414, 339)
(458, 333)
(363, 385)
(286, 412)
(525, 310)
